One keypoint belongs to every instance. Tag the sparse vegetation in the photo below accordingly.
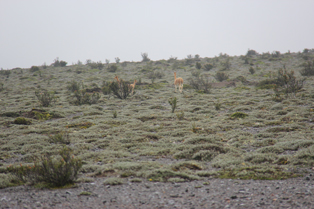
(136, 138)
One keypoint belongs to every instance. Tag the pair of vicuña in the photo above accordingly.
(178, 82)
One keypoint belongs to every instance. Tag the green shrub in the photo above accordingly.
(45, 98)
(226, 65)
(56, 172)
(196, 73)
(58, 63)
(82, 97)
(252, 71)
(145, 57)
(251, 52)
(201, 84)
(221, 76)
(198, 65)
(113, 68)
(288, 82)
(22, 121)
(120, 89)
(173, 103)
(74, 86)
(34, 69)
(308, 68)
(208, 66)
(155, 74)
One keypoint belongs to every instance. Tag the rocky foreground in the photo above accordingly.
(212, 193)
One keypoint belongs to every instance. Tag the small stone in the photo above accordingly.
(234, 197)
(307, 178)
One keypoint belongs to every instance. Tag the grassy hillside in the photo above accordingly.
(243, 130)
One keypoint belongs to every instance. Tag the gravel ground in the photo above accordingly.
(212, 193)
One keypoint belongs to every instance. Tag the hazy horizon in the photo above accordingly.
(35, 32)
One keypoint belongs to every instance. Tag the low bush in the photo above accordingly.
(208, 66)
(54, 171)
(145, 57)
(120, 89)
(198, 65)
(45, 98)
(75, 86)
(201, 84)
(112, 68)
(34, 69)
(82, 97)
(308, 68)
(173, 103)
(58, 63)
(221, 76)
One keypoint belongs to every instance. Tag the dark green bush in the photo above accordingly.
(221, 76)
(45, 98)
(83, 97)
(58, 63)
(120, 89)
(252, 71)
(75, 86)
(58, 171)
(198, 65)
(208, 66)
(173, 103)
(251, 52)
(106, 88)
(308, 68)
(155, 74)
(288, 82)
(113, 68)
(201, 83)
(145, 57)
(34, 69)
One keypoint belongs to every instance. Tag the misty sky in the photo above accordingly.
(33, 32)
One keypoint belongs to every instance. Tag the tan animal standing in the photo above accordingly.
(132, 86)
(178, 82)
